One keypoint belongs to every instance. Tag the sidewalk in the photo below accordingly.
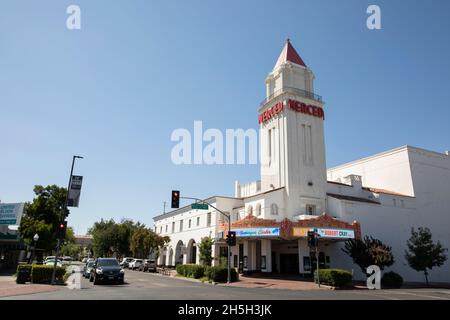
(9, 287)
(293, 283)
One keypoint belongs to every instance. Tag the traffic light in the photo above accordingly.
(231, 237)
(312, 239)
(61, 230)
(175, 199)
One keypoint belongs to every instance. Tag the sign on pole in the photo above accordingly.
(10, 212)
(73, 198)
(199, 206)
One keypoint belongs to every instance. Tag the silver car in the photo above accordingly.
(88, 268)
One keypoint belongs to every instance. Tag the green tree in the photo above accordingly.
(113, 239)
(423, 254)
(103, 237)
(145, 242)
(42, 215)
(369, 251)
(205, 250)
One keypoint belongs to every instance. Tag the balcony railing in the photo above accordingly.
(300, 92)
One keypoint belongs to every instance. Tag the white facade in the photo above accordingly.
(382, 196)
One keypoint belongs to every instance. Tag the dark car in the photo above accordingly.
(106, 270)
(148, 265)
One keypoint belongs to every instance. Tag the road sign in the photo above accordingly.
(199, 206)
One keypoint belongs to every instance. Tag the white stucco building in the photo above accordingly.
(383, 195)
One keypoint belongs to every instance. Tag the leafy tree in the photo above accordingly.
(369, 251)
(423, 254)
(42, 215)
(113, 239)
(145, 242)
(103, 237)
(205, 250)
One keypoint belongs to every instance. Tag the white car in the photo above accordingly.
(135, 264)
(51, 262)
(125, 261)
(67, 260)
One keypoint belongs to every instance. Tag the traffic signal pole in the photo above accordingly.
(228, 216)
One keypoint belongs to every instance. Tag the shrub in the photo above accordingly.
(43, 274)
(191, 270)
(335, 277)
(391, 280)
(220, 274)
(181, 269)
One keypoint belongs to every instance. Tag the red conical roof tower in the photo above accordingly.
(289, 54)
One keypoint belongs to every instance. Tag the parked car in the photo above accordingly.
(135, 264)
(66, 260)
(148, 265)
(125, 261)
(88, 268)
(106, 270)
(51, 262)
(49, 258)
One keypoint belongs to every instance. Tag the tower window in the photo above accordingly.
(173, 227)
(181, 225)
(249, 210)
(258, 209)
(198, 221)
(274, 209)
(310, 209)
(189, 224)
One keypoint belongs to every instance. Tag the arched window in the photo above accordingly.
(258, 209)
(274, 209)
(249, 210)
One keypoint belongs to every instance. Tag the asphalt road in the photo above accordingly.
(148, 286)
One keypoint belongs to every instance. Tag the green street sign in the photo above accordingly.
(199, 206)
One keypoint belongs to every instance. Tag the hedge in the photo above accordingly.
(191, 270)
(216, 274)
(335, 277)
(220, 274)
(43, 274)
(391, 280)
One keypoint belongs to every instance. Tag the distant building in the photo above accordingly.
(12, 248)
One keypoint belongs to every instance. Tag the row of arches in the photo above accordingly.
(171, 257)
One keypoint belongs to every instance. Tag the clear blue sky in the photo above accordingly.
(116, 89)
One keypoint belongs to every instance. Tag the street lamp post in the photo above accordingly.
(63, 216)
(35, 238)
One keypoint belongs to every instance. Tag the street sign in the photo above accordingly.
(73, 198)
(199, 206)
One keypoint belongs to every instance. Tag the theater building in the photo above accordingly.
(383, 195)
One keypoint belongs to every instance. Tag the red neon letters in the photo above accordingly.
(306, 108)
(271, 112)
(294, 105)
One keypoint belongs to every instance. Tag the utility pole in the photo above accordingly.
(63, 217)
